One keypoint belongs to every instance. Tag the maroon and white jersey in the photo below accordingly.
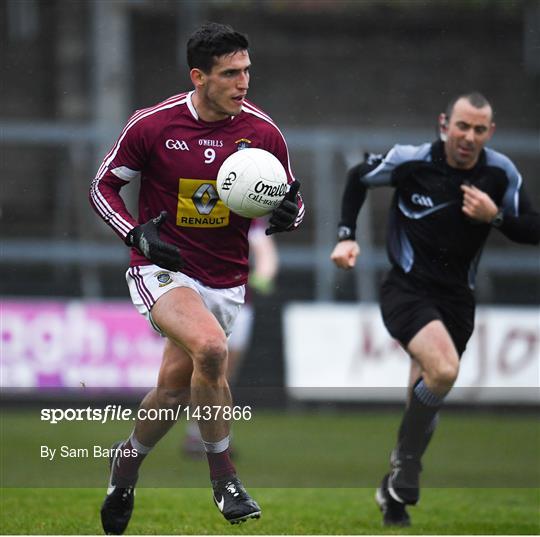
(176, 156)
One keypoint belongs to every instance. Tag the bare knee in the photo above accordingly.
(210, 359)
(443, 373)
(433, 349)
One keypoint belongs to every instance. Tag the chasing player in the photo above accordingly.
(448, 196)
(189, 256)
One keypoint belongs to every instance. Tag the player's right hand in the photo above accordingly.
(345, 253)
(146, 239)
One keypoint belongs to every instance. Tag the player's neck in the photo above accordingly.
(204, 112)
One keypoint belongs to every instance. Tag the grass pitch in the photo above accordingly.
(311, 473)
(284, 511)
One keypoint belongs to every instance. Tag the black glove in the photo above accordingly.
(146, 239)
(284, 216)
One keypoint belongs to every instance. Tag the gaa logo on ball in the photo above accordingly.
(251, 182)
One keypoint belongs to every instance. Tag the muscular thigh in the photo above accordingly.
(183, 317)
(149, 284)
(432, 346)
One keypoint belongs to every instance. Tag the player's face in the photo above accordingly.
(467, 132)
(223, 90)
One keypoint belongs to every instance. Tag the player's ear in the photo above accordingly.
(443, 126)
(198, 78)
(443, 121)
(491, 130)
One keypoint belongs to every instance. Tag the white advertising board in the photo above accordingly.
(343, 352)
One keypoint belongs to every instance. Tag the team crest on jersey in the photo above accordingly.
(243, 143)
(164, 278)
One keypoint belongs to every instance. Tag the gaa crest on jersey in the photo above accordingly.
(243, 143)
(164, 278)
(199, 204)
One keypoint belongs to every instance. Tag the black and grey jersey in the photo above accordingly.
(429, 237)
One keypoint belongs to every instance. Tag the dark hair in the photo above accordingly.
(211, 41)
(474, 97)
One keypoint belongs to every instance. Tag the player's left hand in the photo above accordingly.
(284, 216)
(477, 204)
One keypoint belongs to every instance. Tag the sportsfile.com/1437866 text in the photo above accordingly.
(120, 413)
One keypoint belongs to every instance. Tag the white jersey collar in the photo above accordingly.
(190, 105)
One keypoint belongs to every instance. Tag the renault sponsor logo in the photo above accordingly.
(178, 145)
(205, 198)
(199, 205)
(424, 201)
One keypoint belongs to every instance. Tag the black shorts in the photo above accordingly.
(408, 305)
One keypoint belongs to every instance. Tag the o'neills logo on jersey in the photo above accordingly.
(243, 143)
(211, 143)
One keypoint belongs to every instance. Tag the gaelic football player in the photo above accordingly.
(189, 253)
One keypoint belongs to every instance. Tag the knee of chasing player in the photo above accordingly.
(443, 373)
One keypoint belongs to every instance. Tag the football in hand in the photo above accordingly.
(252, 182)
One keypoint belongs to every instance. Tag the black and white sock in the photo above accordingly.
(419, 421)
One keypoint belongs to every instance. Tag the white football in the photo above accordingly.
(251, 182)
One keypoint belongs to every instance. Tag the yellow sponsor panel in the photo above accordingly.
(199, 204)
